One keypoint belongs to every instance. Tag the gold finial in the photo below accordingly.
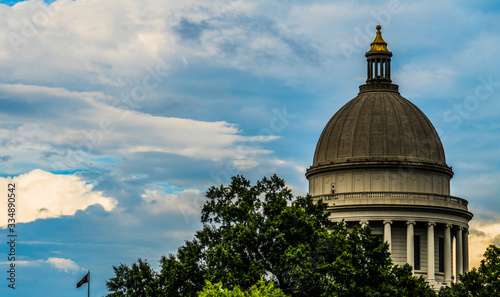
(379, 45)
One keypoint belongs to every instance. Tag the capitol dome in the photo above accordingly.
(379, 126)
(380, 163)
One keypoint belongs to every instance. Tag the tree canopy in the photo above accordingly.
(260, 289)
(135, 281)
(261, 233)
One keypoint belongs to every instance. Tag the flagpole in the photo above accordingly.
(89, 285)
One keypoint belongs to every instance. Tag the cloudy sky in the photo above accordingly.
(117, 115)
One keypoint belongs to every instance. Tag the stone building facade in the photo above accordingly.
(380, 162)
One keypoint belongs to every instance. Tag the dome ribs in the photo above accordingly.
(339, 133)
(424, 144)
(352, 118)
(325, 147)
(361, 129)
(379, 126)
(323, 143)
(395, 145)
(409, 142)
(429, 144)
(411, 139)
(439, 153)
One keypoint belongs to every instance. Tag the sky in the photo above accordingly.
(117, 115)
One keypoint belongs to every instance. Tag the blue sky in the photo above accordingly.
(117, 115)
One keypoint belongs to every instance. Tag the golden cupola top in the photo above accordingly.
(379, 66)
(379, 45)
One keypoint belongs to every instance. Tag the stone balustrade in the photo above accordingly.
(401, 198)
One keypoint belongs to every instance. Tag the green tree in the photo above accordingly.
(254, 231)
(481, 282)
(183, 274)
(137, 281)
(260, 289)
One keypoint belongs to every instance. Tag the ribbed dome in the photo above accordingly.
(379, 126)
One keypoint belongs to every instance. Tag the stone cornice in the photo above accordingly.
(399, 165)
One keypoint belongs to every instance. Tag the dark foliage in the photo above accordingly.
(254, 231)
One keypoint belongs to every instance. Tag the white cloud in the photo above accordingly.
(107, 42)
(26, 263)
(41, 195)
(88, 124)
(290, 164)
(98, 39)
(63, 264)
(187, 202)
(424, 80)
(100, 42)
(185, 235)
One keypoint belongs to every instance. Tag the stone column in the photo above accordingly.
(385, 68)
(388, 234)
(466, 250)
(389, 69)
(369, 70)
(363, 223)
(460, 257)
(410, 256)
(431, 271)
(447, 254)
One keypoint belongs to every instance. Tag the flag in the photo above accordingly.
(85, 279)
